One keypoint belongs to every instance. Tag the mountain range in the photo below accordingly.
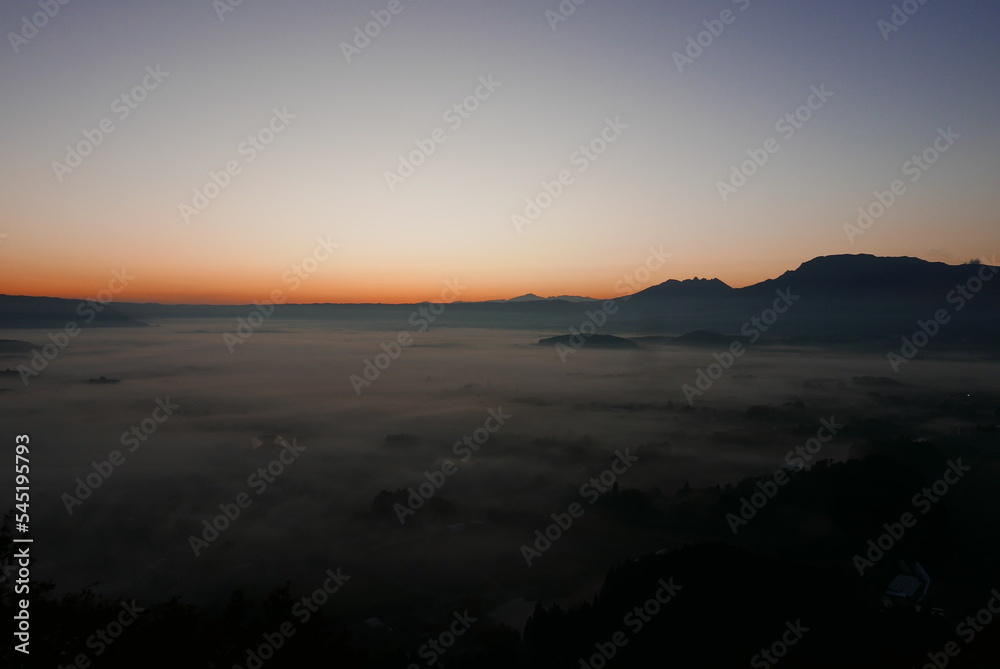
(531, 297)
(828, 297)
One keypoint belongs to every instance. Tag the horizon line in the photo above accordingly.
(488, 300)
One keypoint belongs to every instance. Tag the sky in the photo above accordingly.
(219, 152)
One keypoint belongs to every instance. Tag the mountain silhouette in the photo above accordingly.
(688, 288)
(829, 298)
(863, 275)
(56, 313)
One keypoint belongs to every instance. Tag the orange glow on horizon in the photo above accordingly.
(191, 285)
(181, 292)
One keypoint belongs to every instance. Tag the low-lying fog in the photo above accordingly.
(566, 420)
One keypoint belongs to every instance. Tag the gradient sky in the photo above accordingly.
(323, 175)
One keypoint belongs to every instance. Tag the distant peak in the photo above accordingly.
(531, 297)
(696, 287)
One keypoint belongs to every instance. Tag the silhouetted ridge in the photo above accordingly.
(699, 288)
(864, 275)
